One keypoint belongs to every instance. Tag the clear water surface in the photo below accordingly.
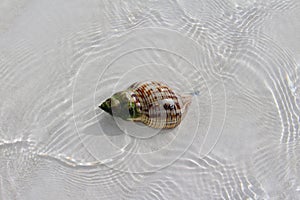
(60, 59)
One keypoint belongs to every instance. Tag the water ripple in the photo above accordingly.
(239, 141)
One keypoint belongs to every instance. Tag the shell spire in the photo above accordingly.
(152, 103)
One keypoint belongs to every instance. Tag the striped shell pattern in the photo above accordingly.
(155, 104)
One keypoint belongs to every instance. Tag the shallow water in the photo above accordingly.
(239, 140)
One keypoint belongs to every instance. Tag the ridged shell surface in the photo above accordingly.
(160, 106)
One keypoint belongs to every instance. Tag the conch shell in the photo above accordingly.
(152, 103)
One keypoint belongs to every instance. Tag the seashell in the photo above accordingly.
(152, 103)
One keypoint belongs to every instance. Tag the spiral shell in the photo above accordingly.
(151, 102)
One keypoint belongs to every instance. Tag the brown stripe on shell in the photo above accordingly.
(160, 106)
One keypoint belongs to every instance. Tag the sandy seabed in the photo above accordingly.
(60, 59)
